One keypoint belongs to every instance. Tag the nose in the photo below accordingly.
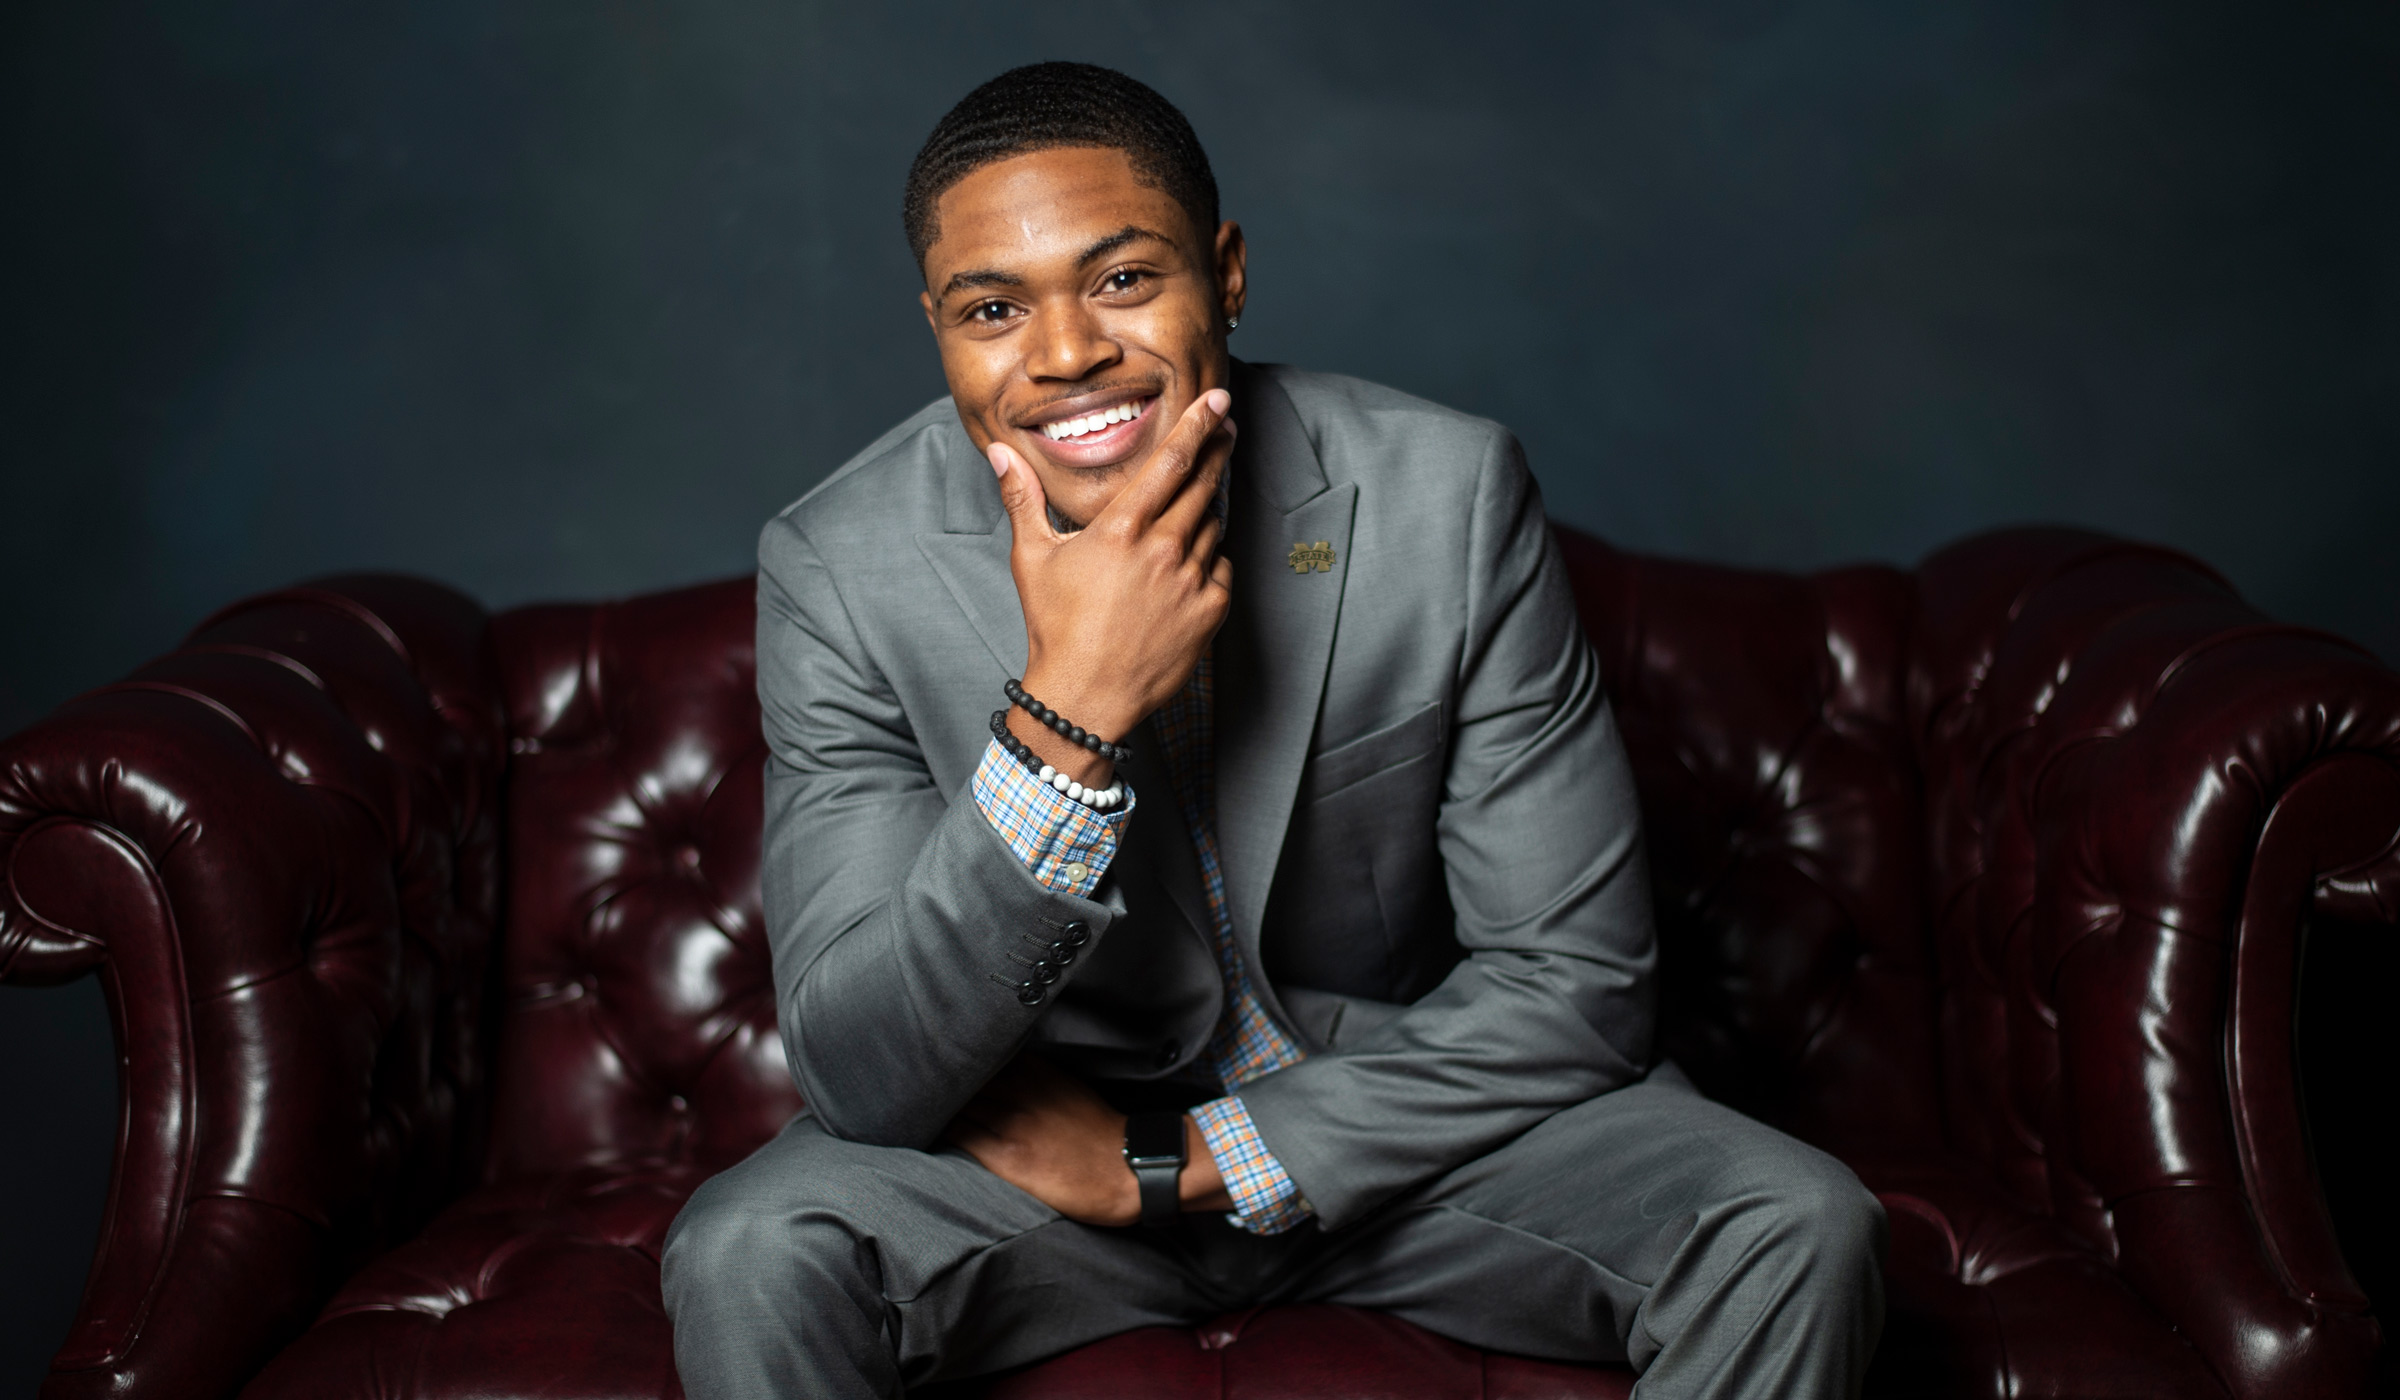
(1068, 342)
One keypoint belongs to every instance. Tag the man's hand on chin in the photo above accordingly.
(1118, 613)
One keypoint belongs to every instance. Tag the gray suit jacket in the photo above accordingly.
(1427, 826)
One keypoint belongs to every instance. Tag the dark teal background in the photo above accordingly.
(554, 299)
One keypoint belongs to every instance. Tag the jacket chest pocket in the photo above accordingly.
(1359, 905)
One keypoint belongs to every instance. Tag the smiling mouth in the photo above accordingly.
(1072, 429)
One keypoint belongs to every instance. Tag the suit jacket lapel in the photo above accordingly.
(1272, 654)
(970, 556)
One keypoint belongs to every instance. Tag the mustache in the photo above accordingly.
(1146, 388)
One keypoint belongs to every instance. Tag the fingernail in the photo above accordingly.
(1218, 401)
(995, 455)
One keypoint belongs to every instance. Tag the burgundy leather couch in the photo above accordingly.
(432, 941)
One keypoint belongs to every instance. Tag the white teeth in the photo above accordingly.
(1092, 422)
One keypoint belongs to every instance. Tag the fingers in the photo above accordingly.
(1183, 514)
(1021, 494)
(1204, 543)
(1171, 465)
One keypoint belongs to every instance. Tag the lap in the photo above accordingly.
(974, 1274)
(919, 1211)
(1552, 1243)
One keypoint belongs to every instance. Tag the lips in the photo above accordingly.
(1098, 437)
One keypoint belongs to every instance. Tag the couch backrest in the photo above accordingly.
(1765, 713)
(638, 1007)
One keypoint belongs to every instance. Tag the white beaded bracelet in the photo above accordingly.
(1098, 799)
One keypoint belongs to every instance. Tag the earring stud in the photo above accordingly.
(1233, 323)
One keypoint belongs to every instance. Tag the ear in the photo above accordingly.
(1233, 259)
(925, 299)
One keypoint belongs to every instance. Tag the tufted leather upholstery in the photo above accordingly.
(1990, 877)
(278, 846)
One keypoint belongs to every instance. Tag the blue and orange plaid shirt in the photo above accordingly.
(1068, 847)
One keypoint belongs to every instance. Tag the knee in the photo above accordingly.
(1817, 1213)
(733, 1240)
(716, 1228)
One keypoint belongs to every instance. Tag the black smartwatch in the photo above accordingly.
(1154, 1149)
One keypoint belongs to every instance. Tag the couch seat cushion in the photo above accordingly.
(549, 1287)
(541, 1287)
(1297, 1353)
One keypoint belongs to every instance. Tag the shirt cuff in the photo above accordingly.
(1066, 844)
(1266, 1201)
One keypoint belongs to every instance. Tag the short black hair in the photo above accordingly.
(1045, 105)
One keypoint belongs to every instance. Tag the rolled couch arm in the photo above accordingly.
(277, 846)
(2141, 791)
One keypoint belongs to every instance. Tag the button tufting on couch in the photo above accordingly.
(434, 945)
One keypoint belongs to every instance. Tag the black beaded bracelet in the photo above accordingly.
(1072, 733)
(1104, 799)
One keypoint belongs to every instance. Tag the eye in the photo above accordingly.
(991, 312)
(1122, 280)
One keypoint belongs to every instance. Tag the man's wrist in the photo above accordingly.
(1203, 1183)
(1081, 707)
(1072, 759)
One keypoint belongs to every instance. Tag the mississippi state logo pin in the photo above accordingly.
(1318, 556)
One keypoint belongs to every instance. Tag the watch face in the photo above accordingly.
(1154, 1137)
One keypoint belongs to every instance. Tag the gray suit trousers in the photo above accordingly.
(1649, 1225)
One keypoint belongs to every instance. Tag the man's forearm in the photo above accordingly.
(893, 1024)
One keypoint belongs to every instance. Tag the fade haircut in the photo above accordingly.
(1046, 105)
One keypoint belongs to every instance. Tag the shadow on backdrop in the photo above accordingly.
(555, 300)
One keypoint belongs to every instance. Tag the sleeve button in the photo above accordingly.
(1030, 993)
(1076, 872)
(1078, 933)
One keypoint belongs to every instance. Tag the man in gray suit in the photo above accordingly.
(1201, 866)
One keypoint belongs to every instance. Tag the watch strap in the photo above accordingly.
(1157, 1175)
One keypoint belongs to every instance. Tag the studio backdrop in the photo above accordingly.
(550, 299)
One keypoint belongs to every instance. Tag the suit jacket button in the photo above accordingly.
(1078, 933)
(1030, 993)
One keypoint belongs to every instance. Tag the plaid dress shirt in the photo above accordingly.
(1068, 847)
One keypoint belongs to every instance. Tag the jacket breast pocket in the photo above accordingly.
(1369, 755)
(1359, 905)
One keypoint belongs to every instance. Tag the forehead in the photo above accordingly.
(1044, 206)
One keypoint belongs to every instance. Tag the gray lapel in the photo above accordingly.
(975, 570)
(970, 556)
(1272, 654)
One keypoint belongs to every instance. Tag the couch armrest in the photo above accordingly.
(277, 848)
(2140, 792)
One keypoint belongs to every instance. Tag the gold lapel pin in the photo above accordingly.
(1318, 556)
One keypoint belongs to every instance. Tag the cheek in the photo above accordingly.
(974, 375)
(1176, 329)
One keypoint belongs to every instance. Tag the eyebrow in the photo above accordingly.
(986, 278)
(1131, 233)
(992, 277)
